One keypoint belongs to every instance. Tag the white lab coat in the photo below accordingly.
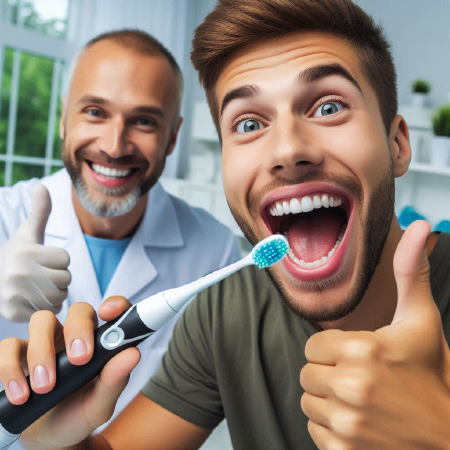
(174, 244)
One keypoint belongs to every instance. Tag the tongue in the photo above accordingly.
(313, 238)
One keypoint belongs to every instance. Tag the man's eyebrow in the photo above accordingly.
(91, 99)
(318, 72)
(246, 91)
(154, 110)
(142, 109)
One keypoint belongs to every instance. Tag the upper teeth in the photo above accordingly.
(304, 204)
(110, 172)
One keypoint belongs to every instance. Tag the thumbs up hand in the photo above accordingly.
(388, 389)
(32, 276)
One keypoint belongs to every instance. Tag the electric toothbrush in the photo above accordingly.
(132, 327)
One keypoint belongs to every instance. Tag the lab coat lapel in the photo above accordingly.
(159, 228)
(84, 287)
(134, 272)
(63, 230)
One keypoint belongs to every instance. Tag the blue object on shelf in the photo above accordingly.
(443, 225)
(408, 216)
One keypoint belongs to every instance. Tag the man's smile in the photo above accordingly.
(109, 175)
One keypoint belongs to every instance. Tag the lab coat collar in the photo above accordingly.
(62, 221)
(159, 227)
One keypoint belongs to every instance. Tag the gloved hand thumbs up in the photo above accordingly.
(41, 206)
(34, 276)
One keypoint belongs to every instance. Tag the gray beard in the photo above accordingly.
(111, 208)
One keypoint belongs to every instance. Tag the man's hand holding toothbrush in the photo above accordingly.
(75, 418)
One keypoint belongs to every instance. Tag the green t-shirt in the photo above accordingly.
(238, 352)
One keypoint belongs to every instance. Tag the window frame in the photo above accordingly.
(61, 51)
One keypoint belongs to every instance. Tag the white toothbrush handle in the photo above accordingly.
(152, 313)
(177, 297)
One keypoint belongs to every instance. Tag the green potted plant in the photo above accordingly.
(440, 145)
(420, 89)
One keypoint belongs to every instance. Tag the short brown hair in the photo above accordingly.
(141, 42)
(235, 24)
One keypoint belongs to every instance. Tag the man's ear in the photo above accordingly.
(400, 147)
(173, 138)
(62, 121)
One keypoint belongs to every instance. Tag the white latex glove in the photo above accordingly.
(32, 276)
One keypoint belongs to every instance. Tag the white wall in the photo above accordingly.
(419, 33)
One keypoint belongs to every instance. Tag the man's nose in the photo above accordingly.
(293, 150)
(114, 141)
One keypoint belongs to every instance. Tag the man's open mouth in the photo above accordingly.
(315, 225)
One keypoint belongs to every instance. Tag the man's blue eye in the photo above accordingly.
(94, 112)
(144, 122)
(327, 109)
(249, 125)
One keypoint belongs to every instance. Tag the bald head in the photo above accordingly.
(139, 42)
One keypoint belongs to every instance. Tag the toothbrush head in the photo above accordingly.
(270, 250)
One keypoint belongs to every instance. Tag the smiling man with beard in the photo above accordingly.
(104, 224)
(303, 94)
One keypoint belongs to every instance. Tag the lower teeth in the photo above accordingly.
(323, 260)
(110, 176)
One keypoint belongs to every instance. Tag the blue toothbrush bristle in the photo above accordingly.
(270, 253)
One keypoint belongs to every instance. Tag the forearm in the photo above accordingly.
(97, 442)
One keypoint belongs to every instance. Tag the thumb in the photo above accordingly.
(41, 206)
(102, 398)
(412, 272)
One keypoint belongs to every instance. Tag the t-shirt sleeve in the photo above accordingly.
(186, 381)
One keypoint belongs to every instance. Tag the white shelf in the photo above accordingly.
(427, 168)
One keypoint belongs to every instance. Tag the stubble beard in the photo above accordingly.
(375, 228)
(118, 201)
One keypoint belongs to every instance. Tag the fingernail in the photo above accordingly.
(41, 376)
(112, 304)
(78, 348)
(15, 390)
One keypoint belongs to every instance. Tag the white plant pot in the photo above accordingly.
(440, 151)
(419, 100)
(416, 142)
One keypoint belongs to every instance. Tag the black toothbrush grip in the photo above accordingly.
(69, 378)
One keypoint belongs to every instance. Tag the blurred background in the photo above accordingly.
(38, 39)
